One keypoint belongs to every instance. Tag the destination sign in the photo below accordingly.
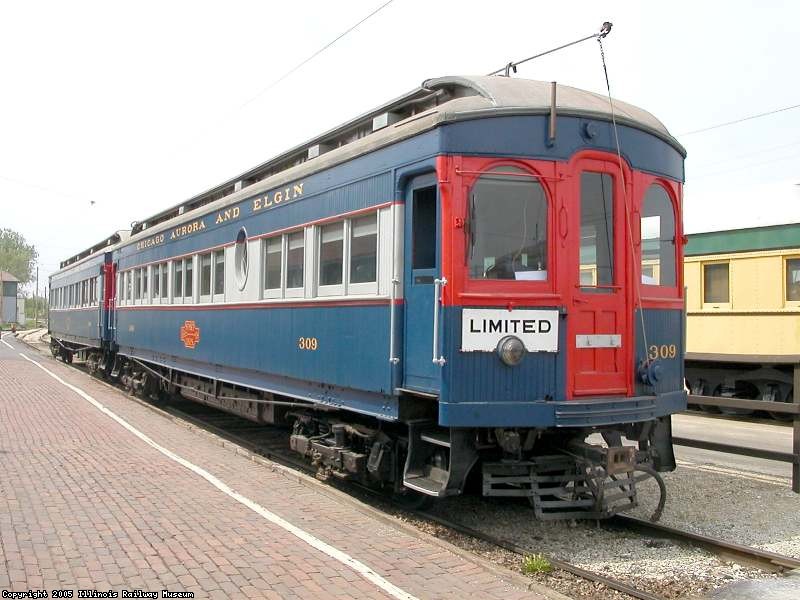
(482, 329)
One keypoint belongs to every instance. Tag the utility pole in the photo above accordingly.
(36, 300)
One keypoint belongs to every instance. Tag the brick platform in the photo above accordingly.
(85, 503)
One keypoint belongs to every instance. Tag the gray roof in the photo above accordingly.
(436, 101)
(534, 97)
(6, 276)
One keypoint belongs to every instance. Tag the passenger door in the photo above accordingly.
(598, 321)
(422, 260)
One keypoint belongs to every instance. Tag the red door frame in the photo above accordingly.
(601, 371)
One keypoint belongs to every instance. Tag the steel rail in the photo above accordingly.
(613, 584)
(764, 559)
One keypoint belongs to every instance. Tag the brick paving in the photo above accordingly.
(86, 504)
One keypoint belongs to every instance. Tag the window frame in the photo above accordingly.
(280, 291)
(785, 260)
(205, 298)
(714, 305)
(334, 289)
(305, 233)
(173, 296)
(510, 289)
(366, 287)
(190, 298)
(218, 297)
(155, 281)
(655, 292)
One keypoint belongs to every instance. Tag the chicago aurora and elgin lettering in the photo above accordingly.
(264, 202)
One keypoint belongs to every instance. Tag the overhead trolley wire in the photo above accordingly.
(313, 56)
(734, 122)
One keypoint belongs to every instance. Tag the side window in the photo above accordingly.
(219, 274)
(423, 232)
(177, 280)
(658, 238)
(597, 229)
(273, 266)
(137, 285)
(331, 254)
(364, 249)
(507, 226)
(145, 287)
(164, 282)
(156, 283)
(188, 285)
(793, 279)
(295, 261)
(205, 277)
(716, 283)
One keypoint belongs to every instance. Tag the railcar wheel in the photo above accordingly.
(743, 390)
(789, 397)
(412, 500)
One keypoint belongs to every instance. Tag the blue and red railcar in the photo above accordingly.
(471, 279)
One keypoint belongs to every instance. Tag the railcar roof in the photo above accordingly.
(102, 246)
(436, 101)
(751, 239)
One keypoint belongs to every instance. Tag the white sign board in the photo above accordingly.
(482, 328)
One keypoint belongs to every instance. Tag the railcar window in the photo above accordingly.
(156, 282)
(507, 226)
(273, 263)
(295, 257)
(716, 283)
(219, 272)
(658, 238)
(137, 284)
(240, 258)
(165, 280)
(145, 288)
(424, 229)
(205, 274)
(597, 227)
(188, 286)
(331, 254)
(793, 279)
(177, 281)
(364, 249)
(129, 275)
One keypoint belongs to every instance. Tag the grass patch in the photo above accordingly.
(536, 563)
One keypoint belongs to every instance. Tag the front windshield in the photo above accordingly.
(507, 226)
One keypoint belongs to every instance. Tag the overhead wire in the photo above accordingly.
(741, 120)
(638, 282)
(312, 56)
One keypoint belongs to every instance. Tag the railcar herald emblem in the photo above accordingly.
(190, 334)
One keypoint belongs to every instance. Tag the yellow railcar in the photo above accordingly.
(743, 312)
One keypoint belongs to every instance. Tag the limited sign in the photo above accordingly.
(482, 328)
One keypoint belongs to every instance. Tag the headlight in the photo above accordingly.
(510, 349)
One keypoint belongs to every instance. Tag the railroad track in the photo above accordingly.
(274, 446)
(272, 443)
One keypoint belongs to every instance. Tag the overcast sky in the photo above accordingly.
(138, 106)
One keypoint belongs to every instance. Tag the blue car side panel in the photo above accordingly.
(82, 326)
(662, 328)
(85, 326)
(351, 354)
